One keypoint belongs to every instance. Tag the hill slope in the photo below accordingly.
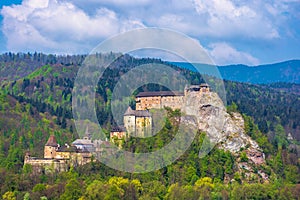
(38, 103)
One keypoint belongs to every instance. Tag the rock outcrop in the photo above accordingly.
(206, 111)
(223, 129)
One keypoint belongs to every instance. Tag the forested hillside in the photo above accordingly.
(50, 86)
(35, 101)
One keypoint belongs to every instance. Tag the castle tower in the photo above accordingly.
(129, 120)
(138, 122)
(202, 88)
(50, 147)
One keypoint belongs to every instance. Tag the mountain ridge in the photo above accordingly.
(286, 71)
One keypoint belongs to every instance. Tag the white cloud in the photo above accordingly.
(127, 3)
(224, 54)
(59, 27)
(76, 26)
(175, 22)
(37, 3)
(226, 19)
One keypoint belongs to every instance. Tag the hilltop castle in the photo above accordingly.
(161, 99)
(139, 122)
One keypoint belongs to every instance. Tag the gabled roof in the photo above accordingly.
(129, 112)
(160, 94)
(51, 141)
(137, 113)
(142, 113)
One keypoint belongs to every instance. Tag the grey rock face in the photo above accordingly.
(223, 129)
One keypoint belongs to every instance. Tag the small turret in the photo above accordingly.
(50, 147)
(204, 87)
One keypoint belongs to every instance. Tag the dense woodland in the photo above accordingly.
(35, 101)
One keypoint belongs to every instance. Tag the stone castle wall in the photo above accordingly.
(129, 123)
(159, 102)
(40, 165)
(57, 160)
(139, 126)
(63, 155)
(49, 152)
(143, 126)
(62, 162)
(174, 102)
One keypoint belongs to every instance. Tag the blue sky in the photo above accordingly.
(232, 31)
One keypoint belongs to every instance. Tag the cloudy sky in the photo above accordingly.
(232, 31)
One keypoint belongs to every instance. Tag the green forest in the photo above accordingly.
(36, 102)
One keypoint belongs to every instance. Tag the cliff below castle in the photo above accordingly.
(222, 128)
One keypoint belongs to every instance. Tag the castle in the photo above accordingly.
(161, 99)
(61, 158)
(139, 122)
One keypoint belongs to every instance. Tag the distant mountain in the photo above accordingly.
(285, 72)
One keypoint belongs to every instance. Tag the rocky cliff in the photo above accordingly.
(226, 131)
(223, 129)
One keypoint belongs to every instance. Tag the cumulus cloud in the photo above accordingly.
(59, 27)
(225, 18)
(76, 26)
(224, 54)
(124, 3)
